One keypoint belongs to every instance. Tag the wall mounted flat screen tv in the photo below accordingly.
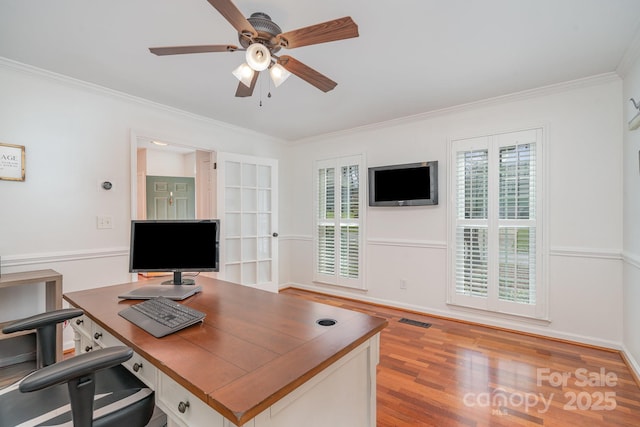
(175, 246)
(411, 184)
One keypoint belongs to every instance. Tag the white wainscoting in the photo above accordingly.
(582, 270)
(632, 319)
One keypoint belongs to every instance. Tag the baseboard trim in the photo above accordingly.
(631, 362)
(625, 354)
(582, 341)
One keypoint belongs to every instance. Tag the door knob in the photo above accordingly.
(275, 234)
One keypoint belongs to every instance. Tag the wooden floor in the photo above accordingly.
(458, 374)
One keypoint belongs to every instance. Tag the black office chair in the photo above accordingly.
(45, 326)
(91, 389)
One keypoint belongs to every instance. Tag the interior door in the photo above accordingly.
(170, 197)
(248, 211)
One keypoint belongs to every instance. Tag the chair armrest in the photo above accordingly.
(42, 319)
(75, 367)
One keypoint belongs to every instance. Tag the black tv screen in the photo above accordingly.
(174, 245)
(411, 184)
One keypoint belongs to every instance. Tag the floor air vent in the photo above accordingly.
(415, 323)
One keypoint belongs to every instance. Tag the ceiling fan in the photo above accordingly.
(262, 39)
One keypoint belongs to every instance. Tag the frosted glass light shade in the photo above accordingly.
(258, 57)
(244, 73)
(278, 74)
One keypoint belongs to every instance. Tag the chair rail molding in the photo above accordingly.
(612, 254)
(54, 257)
(631, 259)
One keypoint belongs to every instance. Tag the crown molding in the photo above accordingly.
(498, 100)
(101, 90)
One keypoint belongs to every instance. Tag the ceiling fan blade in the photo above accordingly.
(232, 14)
(178, 50)
(244, 91)
(338, 29)
(307, 73)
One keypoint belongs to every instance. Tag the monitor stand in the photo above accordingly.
(177, 280)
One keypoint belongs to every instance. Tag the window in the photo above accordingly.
(496, 258)
(338, 222)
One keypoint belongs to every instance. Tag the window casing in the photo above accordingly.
(495, 258)
(339, 221)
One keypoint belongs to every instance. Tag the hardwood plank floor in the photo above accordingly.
(459, 374)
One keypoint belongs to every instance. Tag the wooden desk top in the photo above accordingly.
(253, 348)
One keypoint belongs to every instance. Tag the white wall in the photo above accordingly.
(631, 169)
(77, 135)
(170, 163)
(584, 204)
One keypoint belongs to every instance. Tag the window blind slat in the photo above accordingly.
(472, 184)
(471, 261)
(517, 191)
(517, 275)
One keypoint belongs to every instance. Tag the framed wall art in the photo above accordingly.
(11, 162)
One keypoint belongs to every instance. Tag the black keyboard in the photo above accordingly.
(161, 316)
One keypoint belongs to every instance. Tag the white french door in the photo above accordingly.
(248, 211)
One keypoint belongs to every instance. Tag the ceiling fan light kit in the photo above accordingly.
(262, 38)
(278, 74)
(244, 73)
(258, 57)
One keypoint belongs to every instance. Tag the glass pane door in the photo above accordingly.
(247, 196)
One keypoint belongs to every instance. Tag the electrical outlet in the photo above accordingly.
(104, 222)
(403, 283)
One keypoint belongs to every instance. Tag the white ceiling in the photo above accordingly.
(412, 56)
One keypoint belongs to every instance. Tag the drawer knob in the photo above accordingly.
(88, 348)
(97, 335)
(137, 366)
(182, 407)
(79, 322)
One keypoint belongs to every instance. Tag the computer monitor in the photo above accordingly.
(175, 246)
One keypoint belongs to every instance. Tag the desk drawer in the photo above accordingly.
(173, 399)
(142, 369)
(104, 338)
(82, 326)
(137, 365)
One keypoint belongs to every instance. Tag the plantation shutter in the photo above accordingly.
(338, 239)
(472, 251)
(349, 221)
(495, 252)
(517, 227)
(325, 222)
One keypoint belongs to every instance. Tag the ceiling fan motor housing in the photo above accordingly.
(267, 30)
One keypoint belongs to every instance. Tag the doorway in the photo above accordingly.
(170, 197)
(239, 190)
